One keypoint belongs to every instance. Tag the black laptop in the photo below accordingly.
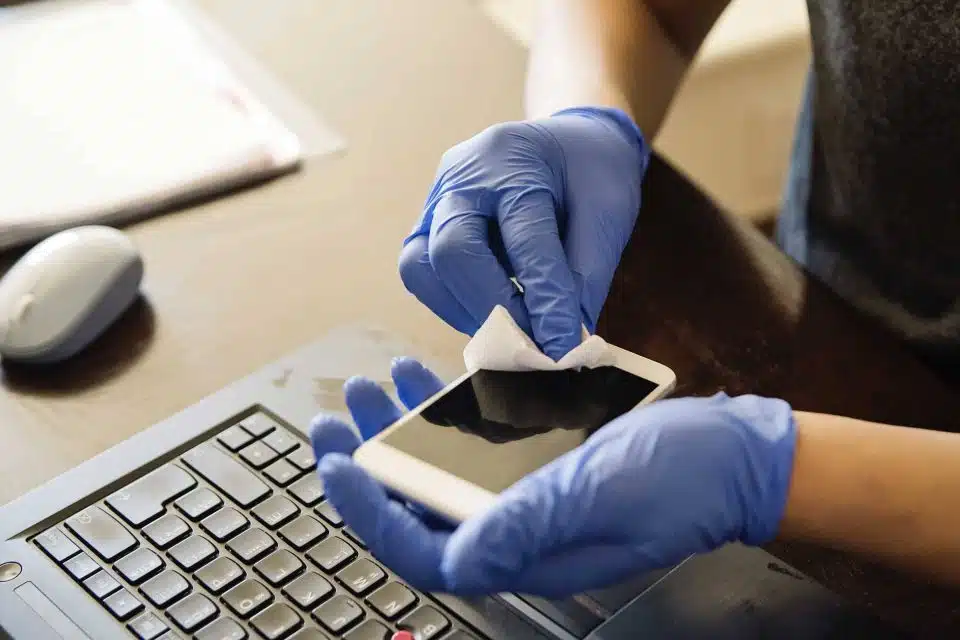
(213, 525)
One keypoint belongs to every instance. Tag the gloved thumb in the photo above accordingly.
(488, 553)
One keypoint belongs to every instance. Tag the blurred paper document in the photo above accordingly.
(114, 109)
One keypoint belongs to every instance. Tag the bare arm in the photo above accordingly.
(630, 54)
(888, 492)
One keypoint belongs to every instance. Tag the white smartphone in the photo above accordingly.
(455, 452)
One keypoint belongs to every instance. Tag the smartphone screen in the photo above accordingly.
(496, 427)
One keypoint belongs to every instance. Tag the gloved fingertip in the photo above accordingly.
(558, 348)
(415, 383)
(351, 489)
(329, 434)
(406, 366)
(331, 465)
(357, 384)
(371, 407)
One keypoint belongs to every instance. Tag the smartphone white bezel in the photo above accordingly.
(443, 492)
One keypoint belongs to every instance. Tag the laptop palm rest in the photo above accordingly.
(740, 593)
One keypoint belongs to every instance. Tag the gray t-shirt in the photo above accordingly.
(872, 204)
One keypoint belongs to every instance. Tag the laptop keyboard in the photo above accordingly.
(234, 540)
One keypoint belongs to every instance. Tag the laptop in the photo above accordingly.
(213, 525)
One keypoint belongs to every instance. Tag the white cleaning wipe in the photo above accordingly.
(501, 345)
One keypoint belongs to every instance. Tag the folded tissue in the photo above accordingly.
(501, 345)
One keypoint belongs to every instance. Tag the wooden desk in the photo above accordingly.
(236, 283)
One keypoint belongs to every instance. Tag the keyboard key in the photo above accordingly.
(361, 577)
(193, 552)
(282, 472)
(279, 567)
(310, 633)
(425, 623)
(331, 554)
(57, 545)
(199, 503)
(308, 489)
(101, 584)
(328, 513)
(222, 629)
(338, 614)
(248, 597)
(166, 588)
(193, 612)
(148, 627)
(259, 424)
(220, 575)
(101, 532)
(123, 604)
(258, 455)
(235, 438)
(143, 500)
(251, 545)
(303, 459)
(303, 532)
(281, 442)
(370, 630)
(353, 536)
(276, 511)
(226, 474)
(308, 590)
(81, 566)
(225, 524)
(166, 531)
(393, 600)
(276, 621)
(139, 565)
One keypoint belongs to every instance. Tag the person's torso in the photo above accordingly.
(872, 206)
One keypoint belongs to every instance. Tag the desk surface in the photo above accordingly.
(234, 284)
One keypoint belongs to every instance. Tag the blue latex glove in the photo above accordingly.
(678, 477)
(551, 202)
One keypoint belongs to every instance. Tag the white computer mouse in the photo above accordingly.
(65, 291)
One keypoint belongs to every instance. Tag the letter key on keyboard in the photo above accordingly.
(392, 600)
(361, 577)
(102, 533)
(248, 597)
(166, 531)
(276, 621)
(227, 475)
(251, 545)
(308, 590)
(139, 565)
(223, 629)
(338, 613)
(143, 500)
(426, 623)
(165, 588)
(193, 611)
(147, 626)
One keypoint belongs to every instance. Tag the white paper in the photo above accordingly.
(113, 109)
(501, 345)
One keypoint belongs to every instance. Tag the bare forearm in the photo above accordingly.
(629, 54)
(883, 491)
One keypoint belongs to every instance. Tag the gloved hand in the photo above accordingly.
(678, 477)
(551, 202)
